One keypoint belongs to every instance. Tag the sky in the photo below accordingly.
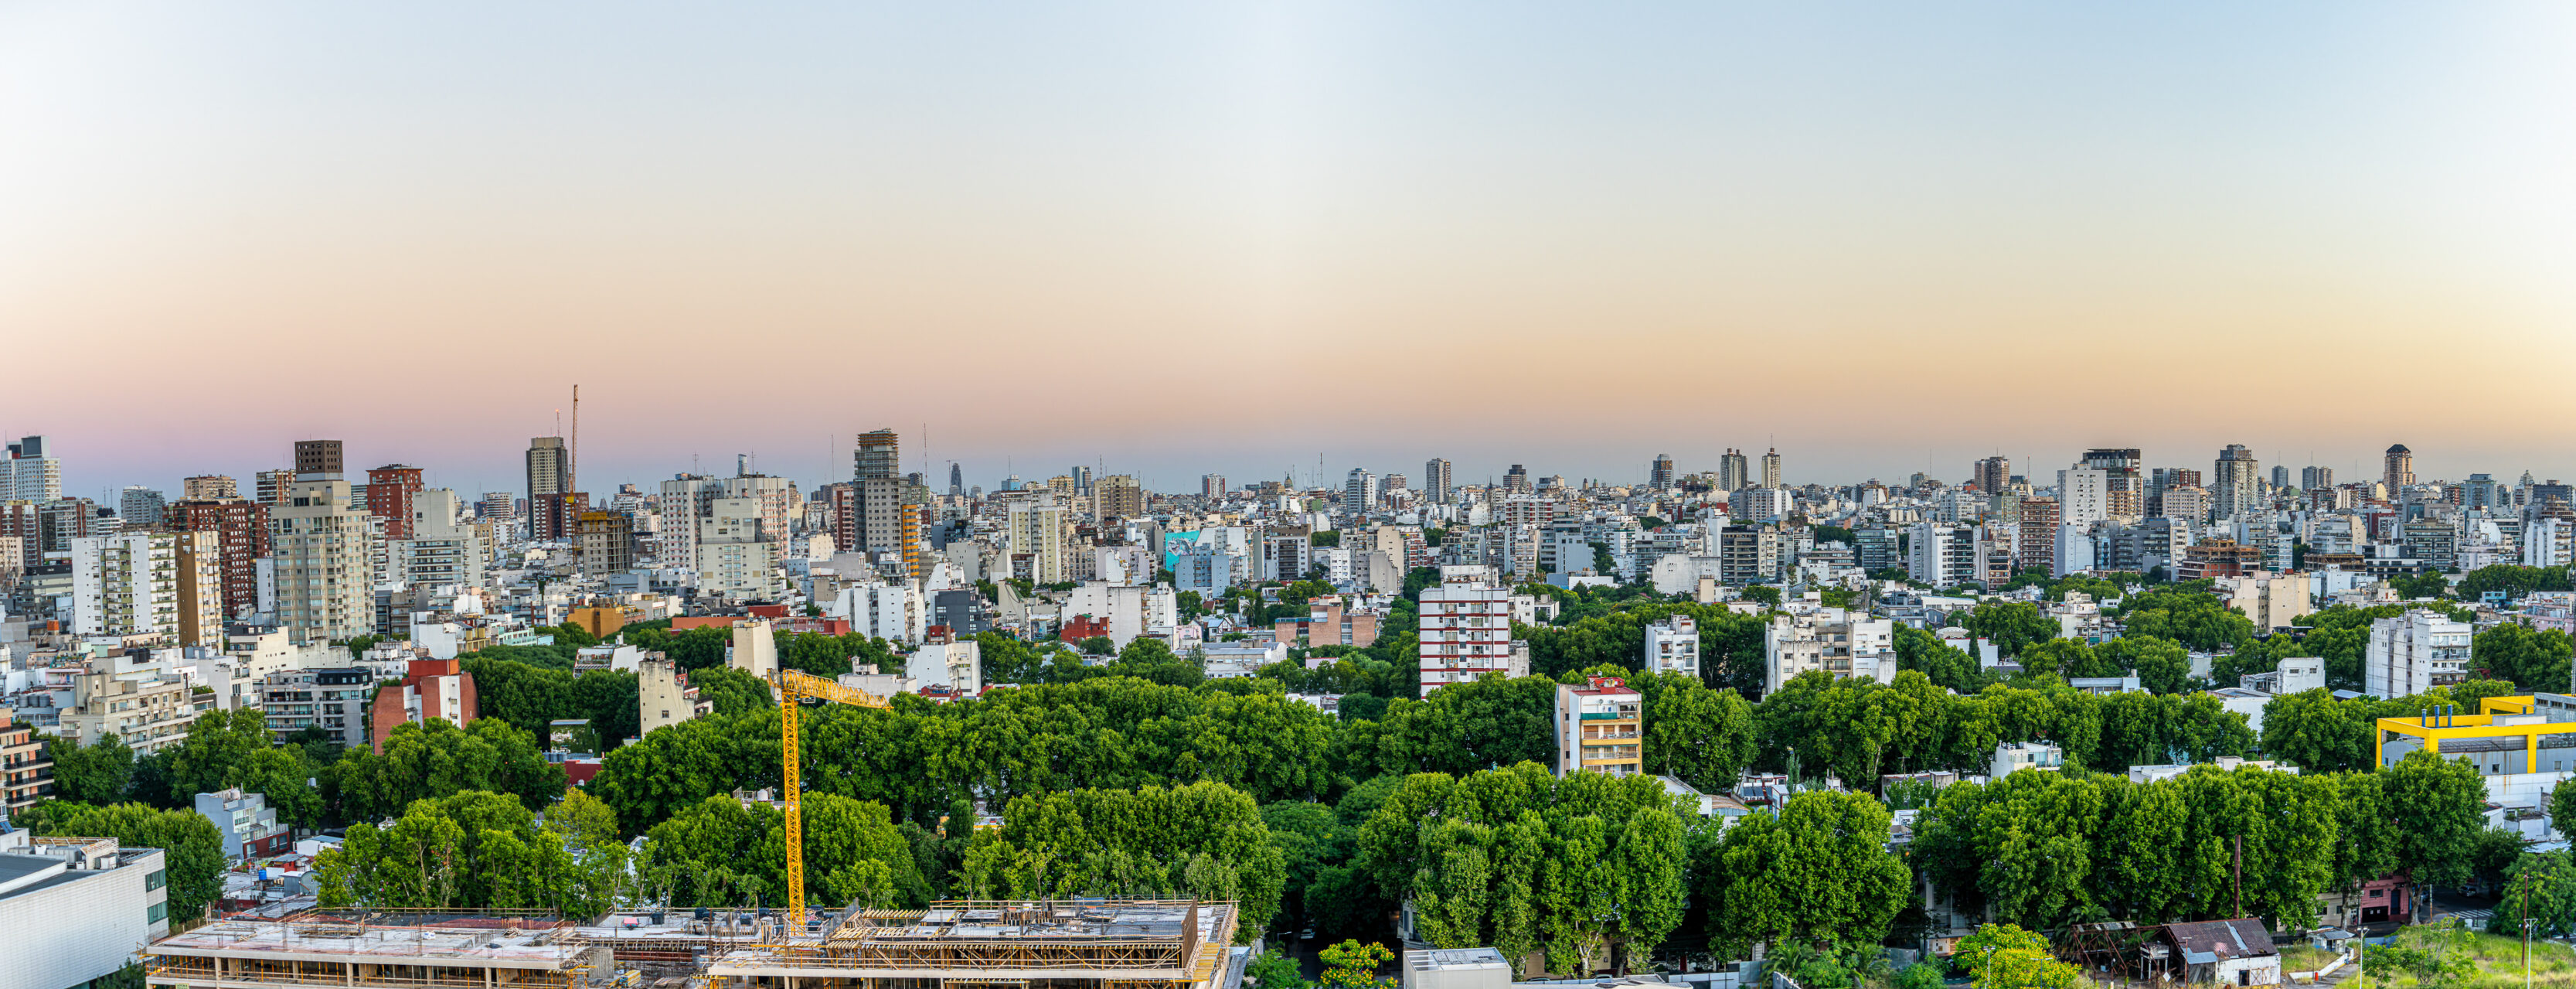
(1171, 239)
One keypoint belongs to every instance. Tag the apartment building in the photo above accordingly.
(2414, 652)
(664, 696)
(1599, 728)
(434, 688)
(26, 771)
(333, 699)
(1466, 628)
(249, 825)
(148, 714)
(1672, 646)
(324, 561)
(1843, 643)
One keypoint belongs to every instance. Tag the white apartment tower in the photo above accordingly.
(2413, 653)
(126, 584)
(1672, 646)
(1466, 628)
(2083, 497)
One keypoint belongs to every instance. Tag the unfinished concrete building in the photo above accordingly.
(1025, 944)
(408, 949)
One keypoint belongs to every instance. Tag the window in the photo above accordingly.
(158, 913)
(156, 880)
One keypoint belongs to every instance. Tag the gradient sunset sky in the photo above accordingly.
(1176, 238)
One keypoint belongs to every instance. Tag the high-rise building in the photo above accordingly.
(607, 542)
(2037, 546)
(497, 506)
(204, 486)
(1120, 496)
(2236, 487)
(27, 474)
(2124, 492)
(550, 478)
(878, 454)
(1359, 492)
(26, 770)
(270, 485)
(125, 584)
(1599, 727)
(2083, 496)
(876, 468)
(240, 530)
(1516, 479)
(318, 457)
(1466, 628)
(1081, 479)
(1771, 468)
(1659, 476)
(139, 507)
(1733, 471)
(1992, 474)
(390, 492)
(2415, 652)
(956, 481)
(2280, 476)
(1436, 480)
(443, 548)
(737, 560)
(1037, 540)
(1212, 486)
(2187, 502)
(2398, 470)
(323, 563)
(2316, 478)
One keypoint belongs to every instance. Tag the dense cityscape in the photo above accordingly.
(2022, 726)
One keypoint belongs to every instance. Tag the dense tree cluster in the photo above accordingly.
(725, 852)
(2321, 733)
(1859, 729)
(1521, 860)
(1201, 841)
(193, 850)
(920, 758)
(2045, 849)
(474, 849)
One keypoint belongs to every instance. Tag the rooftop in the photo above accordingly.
(490, 939)
(1173, 941)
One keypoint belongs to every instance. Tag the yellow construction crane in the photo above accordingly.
(793, 686)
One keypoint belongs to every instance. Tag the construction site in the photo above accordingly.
(1020, 944)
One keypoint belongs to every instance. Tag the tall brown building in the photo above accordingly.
(390, 492)
(241, 531)
(1992, 474)
(2037, 546)
(317, 456)
(2399, 470)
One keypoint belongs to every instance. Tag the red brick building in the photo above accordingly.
(390, 492)
(434, 688)
(241, 528)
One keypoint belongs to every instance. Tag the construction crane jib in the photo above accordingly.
(793, 686)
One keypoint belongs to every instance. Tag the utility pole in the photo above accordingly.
(2240, 875)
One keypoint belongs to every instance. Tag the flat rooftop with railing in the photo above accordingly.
(1173, 942)
(381, 949)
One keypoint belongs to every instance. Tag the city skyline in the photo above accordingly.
(1858, 230)
(474, 470)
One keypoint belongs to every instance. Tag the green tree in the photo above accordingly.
(1204, 840)
(2011, 625)
(2540, 887)
(1272, 970)
(2162, 665)
(1700, 736)
(2532, 660)
(1923, 652)
(2420, 586)
(434, 757)
(193, 851)
(217, 742)
(2004, 956)
(1352, 965)
(2436, 808)
(1819, 872)
(2318, 733)
(97, 773)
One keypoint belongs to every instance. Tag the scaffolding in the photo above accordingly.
(378, 949)
(1004, 944)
